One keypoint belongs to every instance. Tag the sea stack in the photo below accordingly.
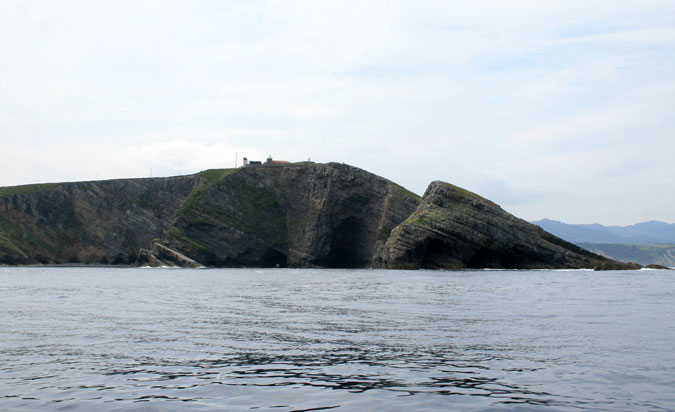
(453, 228)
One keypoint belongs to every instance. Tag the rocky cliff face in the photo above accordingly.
(453, 228)
(88, 222)
(301, 215)
(297, 215)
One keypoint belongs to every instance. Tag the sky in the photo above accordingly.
(552, 109)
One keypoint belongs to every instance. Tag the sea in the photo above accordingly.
(123, 339)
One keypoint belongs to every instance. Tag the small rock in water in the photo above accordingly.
(655, 266)
(614, 265)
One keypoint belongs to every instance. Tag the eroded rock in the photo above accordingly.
(453, 228)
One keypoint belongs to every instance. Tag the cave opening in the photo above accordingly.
(432, 251)
(490, 258)
(273, 258)
(348, 246)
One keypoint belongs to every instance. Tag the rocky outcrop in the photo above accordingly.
(300, 215)
(657, 267)
(295, 215)
(453, 228)
(163, 256)
(100, 222)
(615, 265)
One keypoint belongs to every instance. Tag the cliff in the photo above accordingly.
(102, 222)
(296, 215)
(301, 215)
(453, 228)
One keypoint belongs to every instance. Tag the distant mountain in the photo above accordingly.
(645, 233)
(643, 254)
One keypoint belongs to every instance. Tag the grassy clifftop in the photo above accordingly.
(23, 189)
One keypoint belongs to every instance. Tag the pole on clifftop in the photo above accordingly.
(235, 160)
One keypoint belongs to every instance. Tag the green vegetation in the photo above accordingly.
(211, 177)
(23, 189)
(177, 236)
(215, 175)
(8, 247)
(469, 195)
(189, 210)
(416, 219)
(426, 216)
(148, 201)
(405, 192)
(221, 205)
(144, 201)
(13, 238)
(253, 210)
(462, 202)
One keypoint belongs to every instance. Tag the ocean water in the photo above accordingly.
(110, 339)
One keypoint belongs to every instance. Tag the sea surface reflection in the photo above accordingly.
(300, 340)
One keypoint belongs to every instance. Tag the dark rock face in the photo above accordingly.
(614, 265)
(300, 215)
(453, 228)
(659, 267)
(88, 222)
(296, 215)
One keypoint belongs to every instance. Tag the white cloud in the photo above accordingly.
(572, 80)
(96, 160)
(651, 37)
(607, 124)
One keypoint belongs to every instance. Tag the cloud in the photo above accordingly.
(101, 161)
(607, 124)
(526, 101)
(571, 80)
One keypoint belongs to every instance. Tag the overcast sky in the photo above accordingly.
(558, 109)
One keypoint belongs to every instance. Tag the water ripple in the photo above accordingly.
(104, 339)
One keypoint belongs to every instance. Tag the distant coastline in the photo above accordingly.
(643, 243)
